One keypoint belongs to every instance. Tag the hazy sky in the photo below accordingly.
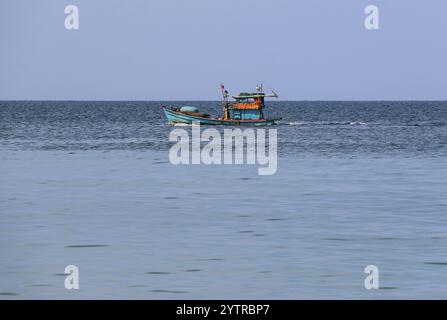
(183, 50)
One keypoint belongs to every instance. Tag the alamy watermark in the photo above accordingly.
(189, 150)
(71, 21)
(72, 280)
(372, 279)
(372, 19)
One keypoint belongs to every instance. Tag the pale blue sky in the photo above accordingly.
(183, 50)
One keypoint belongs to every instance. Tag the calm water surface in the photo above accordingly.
(90, 184)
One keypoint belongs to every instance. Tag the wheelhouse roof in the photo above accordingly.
(244, 95)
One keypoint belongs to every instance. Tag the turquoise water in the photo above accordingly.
(99, 193)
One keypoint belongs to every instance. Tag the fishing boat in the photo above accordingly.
(246, 109)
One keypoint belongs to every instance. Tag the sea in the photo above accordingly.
(89, 184)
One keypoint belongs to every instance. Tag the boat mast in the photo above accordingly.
(225, 101)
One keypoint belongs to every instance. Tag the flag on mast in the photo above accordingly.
(224, 92)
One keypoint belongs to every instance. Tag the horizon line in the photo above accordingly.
(206, 100)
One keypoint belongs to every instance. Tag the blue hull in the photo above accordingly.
(178, 117)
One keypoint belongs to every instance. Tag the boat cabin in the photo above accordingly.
(248, 106)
